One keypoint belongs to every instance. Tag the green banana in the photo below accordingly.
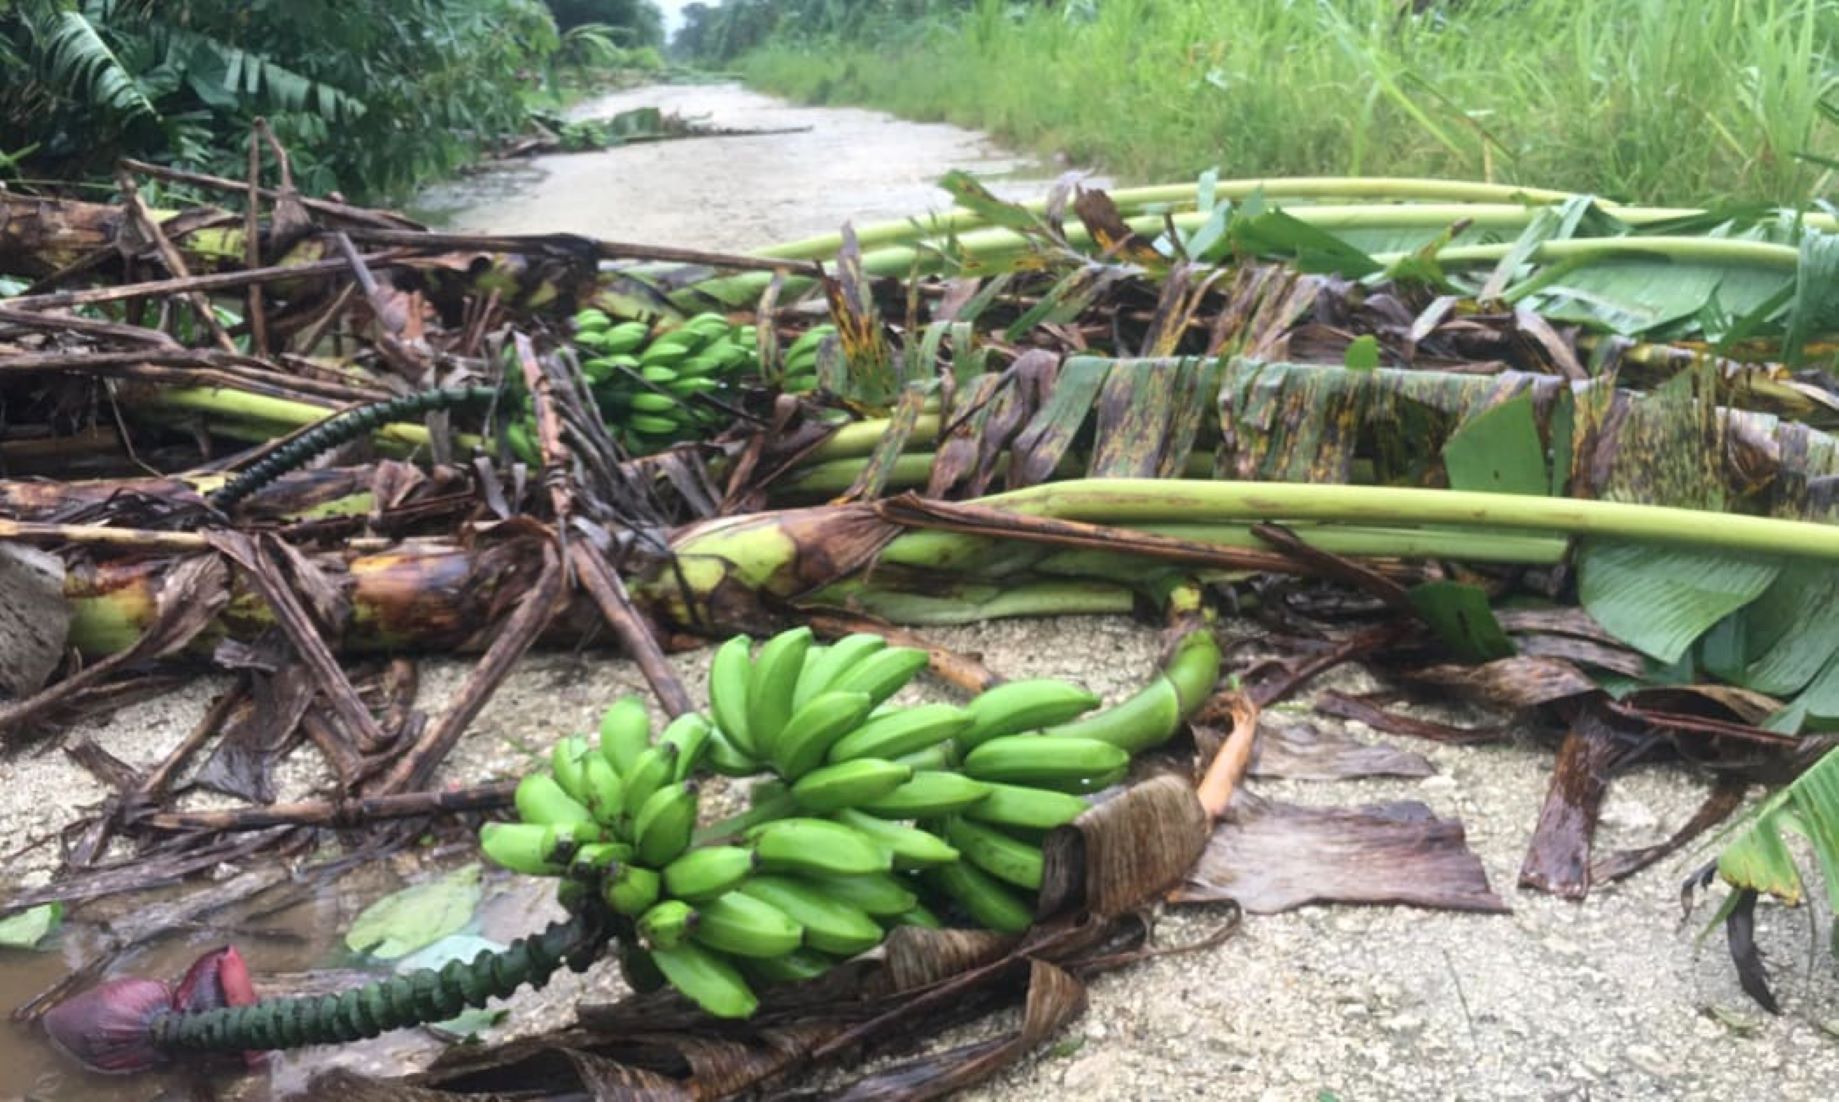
(911, 847)
(626, 336)
(666, 348)
(706, 979)
(940, 756)
(986, 899)
(881, 674)
(917, 916)
(625, 732)
(566, 760)
(606, 793)
(746, 927)
(1019, 807)
(770, 688)
(829, 925)
(653, 373)
(594, 861)
(926, 795)
(651, 402)
(847, 784)
(810, 733)
(650, 424)
(539, 799)
(689, 733)
(796, 966)
(591, 320)
(729, 672)
(632, 889)
(651, 770)
(903, 731)
(1146, 718)
(533, 849)
(1047, 761)
(725, 758)
(1017, 706)
(996, 853)
(1194, 668)
(667, 925)
(879, 894)
(821, 672)
(662, 827)
(709, 871)
(816, 846)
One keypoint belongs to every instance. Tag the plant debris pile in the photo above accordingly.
(1561, 457)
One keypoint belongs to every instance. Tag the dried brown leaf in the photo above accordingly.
(1271, 857)
(1303, 751)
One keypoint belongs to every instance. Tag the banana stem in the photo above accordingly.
(418, 998)
(271, 416)
(1186, 196)
(991, 247)
(1138, 501)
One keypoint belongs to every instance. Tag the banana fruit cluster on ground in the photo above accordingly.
(865, 816)
(656, 388)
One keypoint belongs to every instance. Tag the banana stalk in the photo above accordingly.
(438, 595)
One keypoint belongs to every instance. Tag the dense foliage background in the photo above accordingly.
(1652, 100)
(369, 97)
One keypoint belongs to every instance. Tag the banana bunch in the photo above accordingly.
(615, 822)
(801, 360)
(958, 797)
(647, 384)
(865, 816)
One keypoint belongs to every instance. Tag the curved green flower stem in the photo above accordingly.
(1186, 196)
(1150, 501)
(259, 418)
(418, 998)
(346, 426)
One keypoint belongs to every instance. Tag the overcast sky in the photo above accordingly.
(673, 14)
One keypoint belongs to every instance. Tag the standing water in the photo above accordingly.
(727, 193)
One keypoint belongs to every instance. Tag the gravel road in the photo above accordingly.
(1606, 999)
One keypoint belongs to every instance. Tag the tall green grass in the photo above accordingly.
(1662, 101)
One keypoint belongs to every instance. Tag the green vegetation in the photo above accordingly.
(368, 98)
(1632, 99)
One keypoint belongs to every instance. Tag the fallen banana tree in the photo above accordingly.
(1502, 370)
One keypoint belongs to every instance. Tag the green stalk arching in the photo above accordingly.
(1139, 500)
(990, 247)
(1185, 196)
(418, 998)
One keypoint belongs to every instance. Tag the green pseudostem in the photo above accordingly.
(418, 998)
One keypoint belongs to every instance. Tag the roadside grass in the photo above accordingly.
(1657, 101)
